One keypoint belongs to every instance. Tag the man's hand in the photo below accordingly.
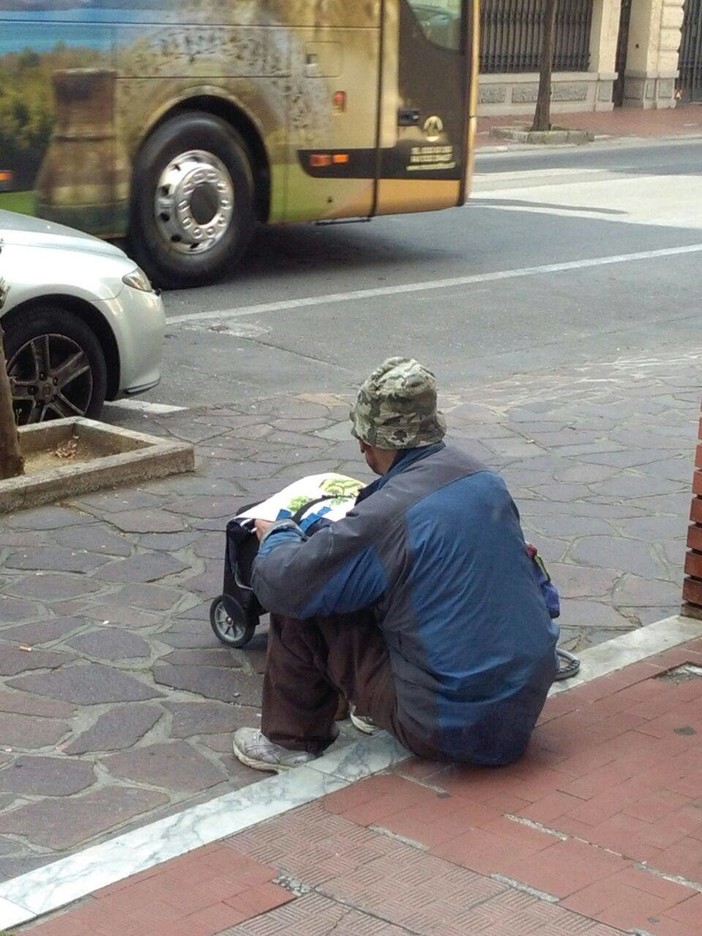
(261, 527)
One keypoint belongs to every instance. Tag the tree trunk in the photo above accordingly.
(542, 115)
(11, 461)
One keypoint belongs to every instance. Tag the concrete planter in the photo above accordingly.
(121, 457)
(555, 136)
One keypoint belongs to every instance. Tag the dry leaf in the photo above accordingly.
(67, 449)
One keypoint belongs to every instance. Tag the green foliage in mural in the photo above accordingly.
(27, 108)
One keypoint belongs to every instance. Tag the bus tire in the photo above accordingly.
(192, 207)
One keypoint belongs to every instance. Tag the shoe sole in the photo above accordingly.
(568, 665)
(362, 726)
(257, 764)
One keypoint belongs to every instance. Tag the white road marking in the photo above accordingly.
(485, 183)
(290, 305)
(653, 200)
(143, 407)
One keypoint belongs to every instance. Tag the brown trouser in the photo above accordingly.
(310, 664)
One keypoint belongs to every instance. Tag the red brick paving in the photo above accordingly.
(596, 831)
(684, 120)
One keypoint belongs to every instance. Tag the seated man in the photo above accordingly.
(421, 606)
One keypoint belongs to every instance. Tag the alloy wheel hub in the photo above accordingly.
(194, 202)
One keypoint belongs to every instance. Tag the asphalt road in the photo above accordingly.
(562, 257)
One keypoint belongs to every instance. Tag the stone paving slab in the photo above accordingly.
(597, 830)
(108, 665)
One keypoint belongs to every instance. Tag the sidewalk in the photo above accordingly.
(123, 810)
(597, 831)
(119, 720)
(622, 123)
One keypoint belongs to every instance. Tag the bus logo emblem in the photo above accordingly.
(433, 128)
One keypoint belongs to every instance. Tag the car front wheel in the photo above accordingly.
(55, 364)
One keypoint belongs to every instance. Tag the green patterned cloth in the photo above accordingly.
(396, 407)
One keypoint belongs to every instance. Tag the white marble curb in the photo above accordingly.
(55, 885)
(631, 647)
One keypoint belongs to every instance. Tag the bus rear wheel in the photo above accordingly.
(192, 214)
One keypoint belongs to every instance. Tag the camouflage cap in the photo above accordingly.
(396, 407)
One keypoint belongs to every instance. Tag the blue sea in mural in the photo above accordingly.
(41, 30)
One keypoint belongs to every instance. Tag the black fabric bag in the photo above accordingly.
(240, 551)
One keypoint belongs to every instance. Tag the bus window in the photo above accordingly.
(440, 22)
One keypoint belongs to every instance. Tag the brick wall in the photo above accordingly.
(692, 585)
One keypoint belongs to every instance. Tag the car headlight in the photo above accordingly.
(137, 279)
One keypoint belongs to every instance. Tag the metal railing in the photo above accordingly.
(511, 30)
(690, 61)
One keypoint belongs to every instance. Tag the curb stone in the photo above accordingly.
(557, 135)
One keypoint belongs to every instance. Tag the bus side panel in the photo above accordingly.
(245, 68)
(343, 14)
(285, 80)
(340, 74)
(80, 87)
(109, 73)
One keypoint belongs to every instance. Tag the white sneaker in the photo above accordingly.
(363, 722)
(255, 750)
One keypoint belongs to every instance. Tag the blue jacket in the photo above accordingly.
(436, 547)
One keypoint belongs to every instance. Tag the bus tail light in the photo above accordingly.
(339, 102)
(324, 160)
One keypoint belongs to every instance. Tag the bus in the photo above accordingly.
(184, 124)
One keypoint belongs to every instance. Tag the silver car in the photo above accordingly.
(82, 322)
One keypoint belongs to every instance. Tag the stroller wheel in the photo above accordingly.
(234, 631)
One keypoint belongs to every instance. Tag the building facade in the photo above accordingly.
(607, 53)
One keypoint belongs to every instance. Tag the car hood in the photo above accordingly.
(25, 231)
